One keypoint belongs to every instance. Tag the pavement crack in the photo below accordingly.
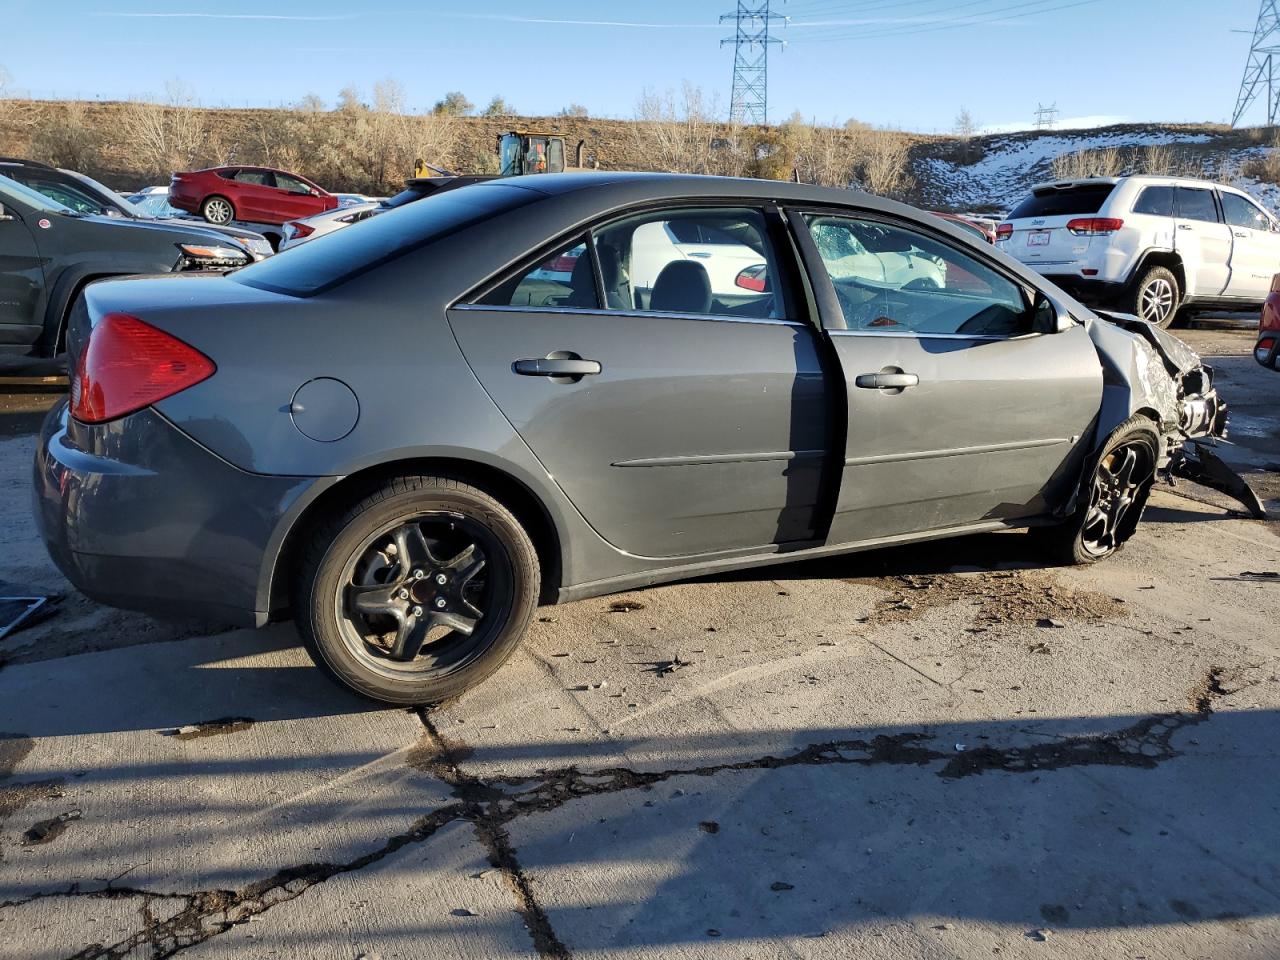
(442, 758)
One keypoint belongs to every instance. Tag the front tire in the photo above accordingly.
(1155, 297)
(218, 210)
(1111, 500)
(417, 592)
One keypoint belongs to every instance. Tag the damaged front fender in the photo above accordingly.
(1147, 369)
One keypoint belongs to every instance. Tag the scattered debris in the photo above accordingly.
(1259, 576)
(959, 748)
(1040, 935)
(590, 686)
(712, 932)
(19, 612)
(1049, 622)
(1039, 648)
(210, 728)
(463, 912)
(48, 830)
(625, 606)
(663, 667)
(709, 826)
(778, 886)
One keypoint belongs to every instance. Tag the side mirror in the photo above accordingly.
(1044, 316)
(754, 278)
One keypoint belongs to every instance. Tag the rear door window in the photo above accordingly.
(261, 177)
(1063, 202)
(565, 279)
(696, 261)
(1197, 204)
(1156, 201)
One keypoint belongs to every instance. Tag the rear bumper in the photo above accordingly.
(1087, 290)
(136, 514)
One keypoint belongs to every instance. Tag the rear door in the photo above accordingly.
(1040, 237)
(1255, 247)
(22, 281)
(255, 196)
(696, 429)
(1202, 240)
(958, 413)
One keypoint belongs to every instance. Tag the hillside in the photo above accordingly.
(994, 172)
(365, 149)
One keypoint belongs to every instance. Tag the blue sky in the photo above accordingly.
(910, 64)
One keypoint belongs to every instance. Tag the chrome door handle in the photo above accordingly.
(556, 367)
(1185, 226)
(1241, 233)
(886, 381)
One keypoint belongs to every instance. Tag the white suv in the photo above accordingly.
(1149, 245)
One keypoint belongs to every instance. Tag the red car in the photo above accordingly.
(980, 227)
(253, 194)
(1267, 350)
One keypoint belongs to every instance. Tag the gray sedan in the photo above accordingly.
(408, 434)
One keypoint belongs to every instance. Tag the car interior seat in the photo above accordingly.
(683, 286)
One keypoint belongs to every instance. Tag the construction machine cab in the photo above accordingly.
(521, 152)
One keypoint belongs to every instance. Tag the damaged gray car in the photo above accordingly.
(408, 434)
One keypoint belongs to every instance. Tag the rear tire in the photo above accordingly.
(1112, 497)
(1155, 297)
(413, 618)
(218, 210)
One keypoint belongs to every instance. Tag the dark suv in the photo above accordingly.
(83, 194)
(49, 252)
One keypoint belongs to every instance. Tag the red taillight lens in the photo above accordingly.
(128, 365)
(301, 229)
(1094, 226)
(1264, 346)
(1004, 231)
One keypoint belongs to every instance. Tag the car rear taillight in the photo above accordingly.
(1264, 346)
(1094, 226)
(127, 365)
(1004, 231)
(301, 229)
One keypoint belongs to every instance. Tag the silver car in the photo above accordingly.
(408, 434)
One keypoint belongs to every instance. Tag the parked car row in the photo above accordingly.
(629, 379)
(51, 250)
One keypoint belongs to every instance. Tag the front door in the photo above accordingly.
(22, 286)
(294, 198)
(957, 412)
(683, 427)
(1255, 249)
(1202, 240)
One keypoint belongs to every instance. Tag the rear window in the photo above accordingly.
(337, 257)
(1070, 201)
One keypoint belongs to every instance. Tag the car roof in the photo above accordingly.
(1151, 178)
(604, 189)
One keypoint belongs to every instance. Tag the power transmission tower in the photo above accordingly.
(751, 41)
(1259, 68)
(1046, 117)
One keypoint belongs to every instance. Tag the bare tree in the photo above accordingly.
(674, 135)
(574, 110)
(453, 104)
(167, 136)
(884, 167)
(498, 107)
(966, 126)
(70, 140)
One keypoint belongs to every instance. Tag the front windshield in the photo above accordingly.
(31, 197)
(153, 206)
(130, 209)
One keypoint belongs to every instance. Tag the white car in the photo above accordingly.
(318, 224)
(1150, 245)
(735, 268)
